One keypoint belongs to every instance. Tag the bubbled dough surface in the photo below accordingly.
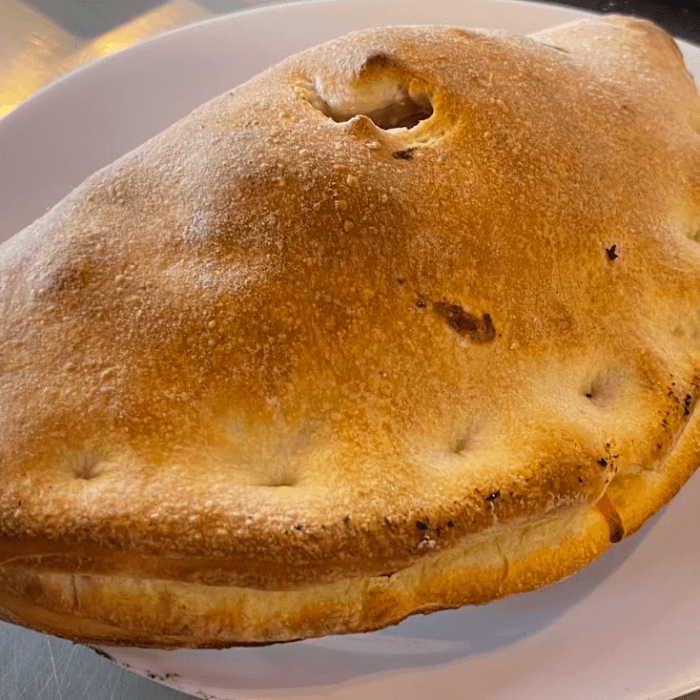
(230, 344)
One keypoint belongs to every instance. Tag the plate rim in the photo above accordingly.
(29, 103)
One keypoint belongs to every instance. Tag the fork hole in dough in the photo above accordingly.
(85, 465)
(463, 442)
(603, 389)
(282, 480)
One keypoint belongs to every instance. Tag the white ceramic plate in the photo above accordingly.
(626, 628)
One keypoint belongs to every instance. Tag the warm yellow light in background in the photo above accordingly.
(34, 50)
(114, 41)
(168, 16)
(31, 47)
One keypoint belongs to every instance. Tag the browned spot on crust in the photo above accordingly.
(612, 518)
(479, 330)
(611, 252)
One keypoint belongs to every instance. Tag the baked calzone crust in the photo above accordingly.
(407, 322)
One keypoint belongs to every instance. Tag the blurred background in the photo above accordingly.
(40, 40)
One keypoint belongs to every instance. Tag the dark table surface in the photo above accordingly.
(59, 35)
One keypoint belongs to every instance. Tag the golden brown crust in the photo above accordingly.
(148, 612)
(282, 349)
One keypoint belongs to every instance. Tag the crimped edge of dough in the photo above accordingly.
(127, 611)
